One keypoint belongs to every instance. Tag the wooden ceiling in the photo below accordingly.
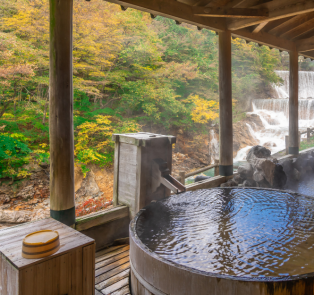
(282, 24)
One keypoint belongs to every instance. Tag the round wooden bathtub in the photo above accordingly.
(152, 274)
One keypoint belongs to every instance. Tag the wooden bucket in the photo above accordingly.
(40, 244)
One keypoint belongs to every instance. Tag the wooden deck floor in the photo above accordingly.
(112, 271)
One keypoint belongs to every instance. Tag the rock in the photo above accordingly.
(40, 214)
(15, 217)
(229, 183)
(264, 183)
(201, 178)
(89, 187)
(257, 152)
(44, 165)
(258, 176)
(269, 144)
(268, 169)
(302, 161)
(240, 185)
(249, 183)
(27, 192)
(245, 171)
(296, 174)
(238, 179)
(280, 177)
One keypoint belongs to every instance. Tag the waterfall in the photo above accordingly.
(213, 146)
(306, 85)
(274, 113)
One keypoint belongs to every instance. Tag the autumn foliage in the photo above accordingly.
(130, 73)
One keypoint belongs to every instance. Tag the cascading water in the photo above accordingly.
(274, 113)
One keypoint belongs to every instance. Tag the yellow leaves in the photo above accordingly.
(241, 44)
(23, 174)
(204, 110)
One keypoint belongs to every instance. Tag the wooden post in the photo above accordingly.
(299, 138)
(225, 105)
(308, 134)
(62, 202)
(287, 144)
(216, 168)
(294, 103)
(182, 177)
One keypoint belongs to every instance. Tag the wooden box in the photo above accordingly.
(133, 162)
(70, 271)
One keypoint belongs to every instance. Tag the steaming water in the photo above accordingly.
(274, 113)
(252, 233)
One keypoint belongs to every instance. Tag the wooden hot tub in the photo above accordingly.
(224, 241)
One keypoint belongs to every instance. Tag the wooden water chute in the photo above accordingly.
(142, 169)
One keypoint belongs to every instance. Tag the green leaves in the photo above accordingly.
(13, 154)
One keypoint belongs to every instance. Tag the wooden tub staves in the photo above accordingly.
(154, 275)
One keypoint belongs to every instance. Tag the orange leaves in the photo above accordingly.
(18, 70)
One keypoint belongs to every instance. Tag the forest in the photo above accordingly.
(131, 72)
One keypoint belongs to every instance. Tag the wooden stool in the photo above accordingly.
(70, 271)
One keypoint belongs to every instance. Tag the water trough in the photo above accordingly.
(224, 241)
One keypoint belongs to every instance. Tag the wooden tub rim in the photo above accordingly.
(143, 247)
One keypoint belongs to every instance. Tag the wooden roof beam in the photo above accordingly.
(304, 45)
(231, 12)
(275, 12)
(299, 30)
(264, 38)
(283, 25)
(175, 10)
(259, 27)
(234, 3)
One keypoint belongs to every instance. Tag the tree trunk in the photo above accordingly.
(6, 105)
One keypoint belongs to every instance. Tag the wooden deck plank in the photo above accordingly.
(111, 266)
(112, 259)
(116, 287)
(107, 250)
(112, 253)
(124, 291)
(112, 271)
(106, 283)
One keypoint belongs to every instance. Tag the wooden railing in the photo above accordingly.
(183, 175)
(309, 131)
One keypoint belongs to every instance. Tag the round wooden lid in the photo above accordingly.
(40, 244)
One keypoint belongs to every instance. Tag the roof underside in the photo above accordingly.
(282, 24)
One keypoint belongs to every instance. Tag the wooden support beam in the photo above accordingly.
(305, 44)
(294, 103)
(225, 106)
(265, 39)
(299, 30)
(175, 10)
(62, 202)
(259, 27)
(235, 3)
(275, 12)
(231, 12)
